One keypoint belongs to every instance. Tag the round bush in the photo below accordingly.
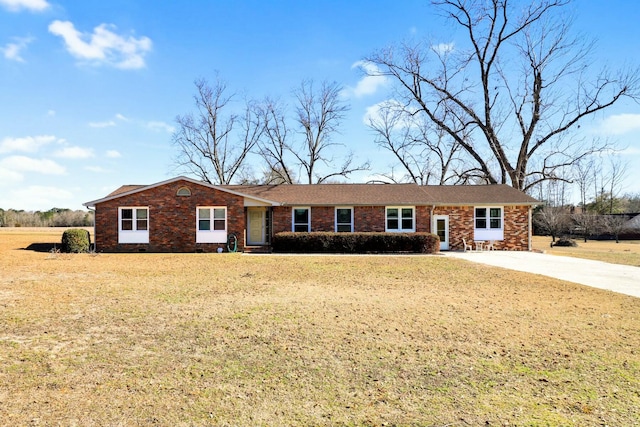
(566, 242)
(75, 240)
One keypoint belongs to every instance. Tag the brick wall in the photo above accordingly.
(172, 219)
(516, 226)
(365, 218)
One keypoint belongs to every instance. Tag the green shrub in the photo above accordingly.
(325, 242)
(75, 240)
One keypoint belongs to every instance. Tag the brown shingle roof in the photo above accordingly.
(499, 194)
(336, 194)
(386, 194)
(361, 194)
(125, 189)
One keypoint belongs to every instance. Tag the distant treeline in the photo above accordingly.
(55, 217)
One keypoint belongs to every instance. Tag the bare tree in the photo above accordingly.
(426, 154)
(554, 220)
(274, 145)
(521, 86)
(318, 115)
(617, 175)
(587, 223)
(615, 225)
(583, 176)
(213, 144)
(308, 144)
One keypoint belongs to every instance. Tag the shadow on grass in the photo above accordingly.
(42, 247)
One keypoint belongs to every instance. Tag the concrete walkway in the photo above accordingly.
(623, 279)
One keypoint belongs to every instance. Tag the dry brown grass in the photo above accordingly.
(625, 252)
(209, 339)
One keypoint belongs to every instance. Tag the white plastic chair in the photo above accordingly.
(467, 246)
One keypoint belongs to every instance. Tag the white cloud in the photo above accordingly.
(110, 123)
(12, 51)
(391, 107)
(37, 198)
(113, 154)
(161, 126)
(51, 113)
(74, 153)
(29, 164)
(9, 177)
(103, 46)
(121, 117)
(29, 144)
(443, 48)
(620, 124)
(370, 83)
(31, 5)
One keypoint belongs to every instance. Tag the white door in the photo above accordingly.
(256, 226)
(442, 230)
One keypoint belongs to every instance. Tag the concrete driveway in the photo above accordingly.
(623, 279)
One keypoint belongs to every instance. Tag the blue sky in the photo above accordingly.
(89, 90)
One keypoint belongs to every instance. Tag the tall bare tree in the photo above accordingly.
(308, 143)
(214, 142)
(426, 154)
(521, 86)
(274, 145)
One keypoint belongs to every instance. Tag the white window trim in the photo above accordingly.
(134, 235)
(488, 233)
(400, 229)
(293, 217)
(335, 222)
(211, 236)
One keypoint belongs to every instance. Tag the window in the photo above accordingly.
(489, 218)
(302, 219)
(400, 219)
(134, 219)
(133, 225)
(211, 224)
(488, 223)
(184, 191)
(344, 220)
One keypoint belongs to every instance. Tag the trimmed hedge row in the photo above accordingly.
(355, 243)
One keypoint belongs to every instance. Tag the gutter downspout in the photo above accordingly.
(431, 219)
(95, 246)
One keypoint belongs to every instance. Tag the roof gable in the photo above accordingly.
(126, 190)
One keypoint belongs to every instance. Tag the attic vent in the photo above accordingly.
(183, 191)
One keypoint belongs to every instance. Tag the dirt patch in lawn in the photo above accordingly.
(228, 339)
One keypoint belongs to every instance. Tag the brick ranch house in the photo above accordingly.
(185, 215)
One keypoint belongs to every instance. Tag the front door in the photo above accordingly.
(442, 230)
(256, 219)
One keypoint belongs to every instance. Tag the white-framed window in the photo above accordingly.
(211, 224)
(344, 220)
(301, 219)
(133, 224)
(488, 223)
(400, 218)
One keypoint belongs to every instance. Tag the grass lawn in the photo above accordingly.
(237, 340)
(625, 252)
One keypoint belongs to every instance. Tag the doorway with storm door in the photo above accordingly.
(256, 218)
(442, 230)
